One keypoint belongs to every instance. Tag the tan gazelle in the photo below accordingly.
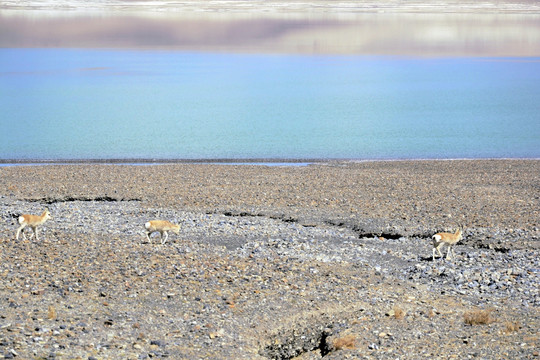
(33, 221)
(161, 226)
(449, 239)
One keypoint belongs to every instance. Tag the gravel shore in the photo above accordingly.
(326, 261)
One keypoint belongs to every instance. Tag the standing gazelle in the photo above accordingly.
(449, 239)
(161, 226)
(33, 221)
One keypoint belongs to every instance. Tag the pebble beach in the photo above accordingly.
(329, 260)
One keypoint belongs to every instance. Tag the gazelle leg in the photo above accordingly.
(148, 236)
(19, 231)
(163, 241)
(449, 251)
(33, 233)
(439, 250)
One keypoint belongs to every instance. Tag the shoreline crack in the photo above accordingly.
(50, 200)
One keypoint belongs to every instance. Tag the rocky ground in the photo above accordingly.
(326, 261)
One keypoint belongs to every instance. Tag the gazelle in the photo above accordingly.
(33, 221)
(449, 239)
(161, 226)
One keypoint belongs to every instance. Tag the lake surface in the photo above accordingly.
(101, 104)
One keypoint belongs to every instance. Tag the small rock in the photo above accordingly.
(157, 343)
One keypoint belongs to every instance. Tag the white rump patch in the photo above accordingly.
(437, 237)
(147, 225)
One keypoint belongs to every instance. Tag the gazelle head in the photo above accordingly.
(47, 214)
(460, 229)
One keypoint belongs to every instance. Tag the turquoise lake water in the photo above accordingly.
(99, 104)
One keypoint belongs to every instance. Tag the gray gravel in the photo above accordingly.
(261, 282)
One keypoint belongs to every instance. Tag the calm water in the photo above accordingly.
(77, 104)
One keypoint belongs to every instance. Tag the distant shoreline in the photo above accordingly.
(448, 28)
(230, 161)
(274, 7)
(151, 161)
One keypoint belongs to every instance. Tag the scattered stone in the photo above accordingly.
(246, 277)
